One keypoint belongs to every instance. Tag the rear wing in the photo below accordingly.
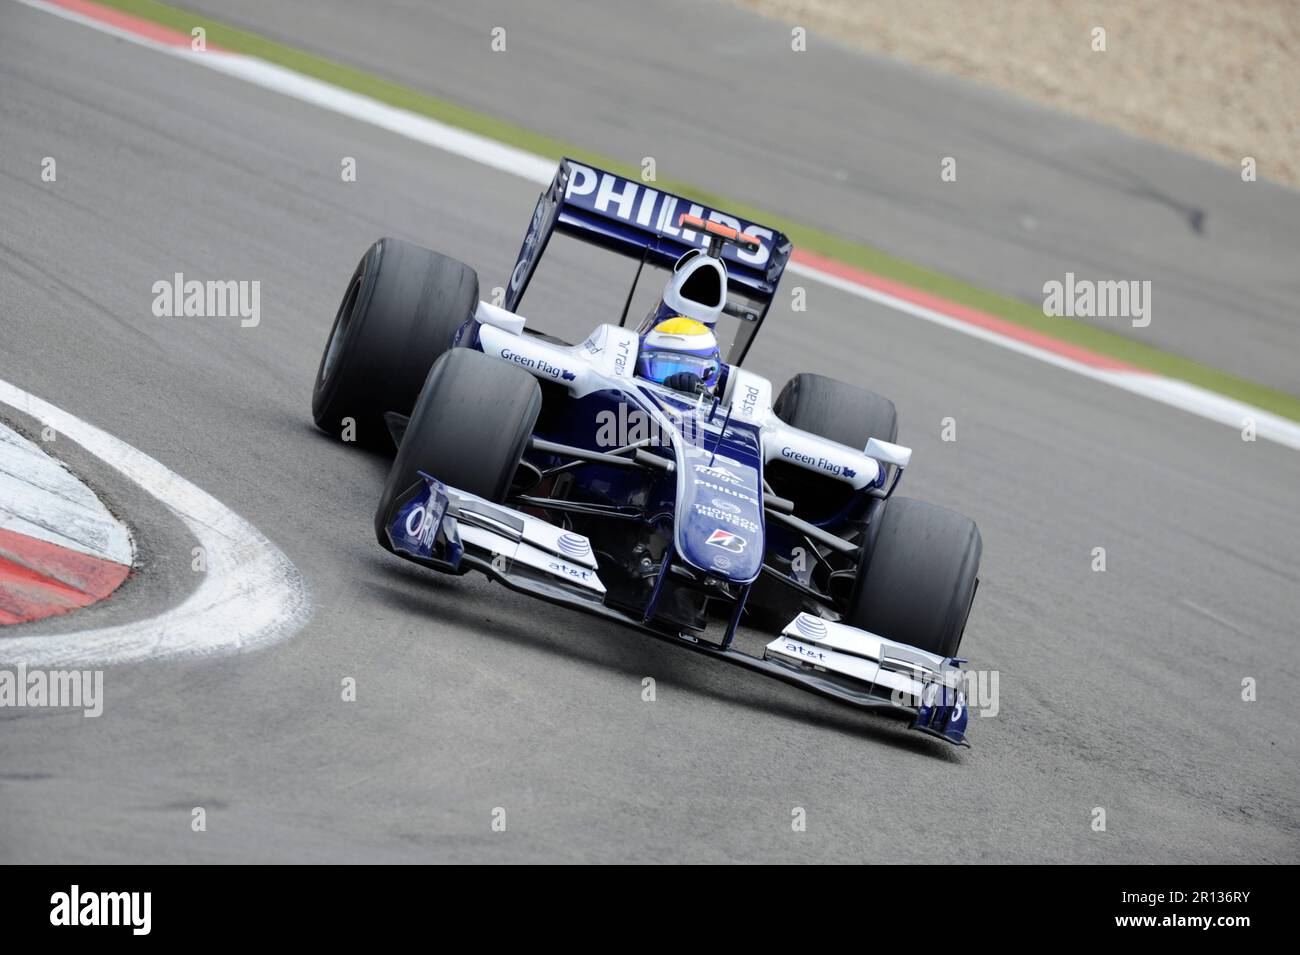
(637, 220)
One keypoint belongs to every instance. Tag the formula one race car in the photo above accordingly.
(641, 477)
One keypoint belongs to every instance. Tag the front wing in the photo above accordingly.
(453, 532)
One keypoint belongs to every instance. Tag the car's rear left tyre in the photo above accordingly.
(400, 311)
(917, 575)
(469, 429)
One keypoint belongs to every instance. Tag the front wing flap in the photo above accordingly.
(453, 531)
(925, 683)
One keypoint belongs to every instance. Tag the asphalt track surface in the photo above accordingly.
(1119, 690)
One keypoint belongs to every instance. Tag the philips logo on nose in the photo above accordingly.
(75, 908)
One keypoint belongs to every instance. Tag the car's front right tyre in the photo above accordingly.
(469, 429)
(917, 574)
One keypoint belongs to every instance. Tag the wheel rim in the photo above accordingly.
(342, 322)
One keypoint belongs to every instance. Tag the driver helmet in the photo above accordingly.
(679, 344)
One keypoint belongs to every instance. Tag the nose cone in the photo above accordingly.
(720, 517)
(713, 543)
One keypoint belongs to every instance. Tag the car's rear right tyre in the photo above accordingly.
(469, 429)
(835, 410)
(400, 311)
(830, 409)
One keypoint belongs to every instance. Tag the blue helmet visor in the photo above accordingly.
(659, 365)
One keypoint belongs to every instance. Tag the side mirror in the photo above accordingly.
(887, 453)
(498, 317)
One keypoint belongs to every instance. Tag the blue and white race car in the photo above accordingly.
(639, 475)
